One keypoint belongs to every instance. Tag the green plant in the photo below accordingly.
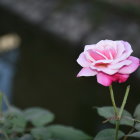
(34, 124)
(119, 117)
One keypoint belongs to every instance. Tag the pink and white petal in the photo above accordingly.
(132, 67)
(86, 72)
(89, 57)
(128, 47)
(104, 79)
(96, 55)
(83, 61)
(103, 61)
(106, 44)
(119, 48)
(121, 58)
(112, 53)
(108, 71)
(104, 69)
(90, 47)
(120, 64)
(100, 45)
(128, 50)
(126, 53)
(107, 53)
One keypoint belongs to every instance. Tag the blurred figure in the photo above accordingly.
(9, 54)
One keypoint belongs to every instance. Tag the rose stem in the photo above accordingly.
(115, 110)
(124, 101)
(123, 105)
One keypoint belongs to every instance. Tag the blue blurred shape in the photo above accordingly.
(7, 72)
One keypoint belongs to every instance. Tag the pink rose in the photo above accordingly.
(109, 60)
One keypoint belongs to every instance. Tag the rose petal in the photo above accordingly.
(132, 67)
(126, 53)
(106, 80)
(121, 77)
(127, 47)
(128, 50)
(112, 53)
(96, 55)
(83, 61)
(111, 49)
(90, 47)
(120, 48)
(120, 64)
(109, 71)
(105, 70)
(103, 61)
(107, 53)
(104, 67)
(106, 44)
(88, 57)
(87, 72)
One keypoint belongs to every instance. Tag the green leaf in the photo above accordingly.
(14, 110)
(41, 133)
(135, 135)
(60, 132)
(108, 113)
(15, 138)
(26, 137)
(39, 116)
(137, 112)
(108, 134)
(15, 123)
(137, 126)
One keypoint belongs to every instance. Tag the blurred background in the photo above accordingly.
(39, 44)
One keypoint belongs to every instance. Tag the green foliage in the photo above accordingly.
(137, 126)
(127, 119)
(137, 112)
(38, 116)
(108, 113)
(58, 132)
(67, 133)
(14, 121)
(108, 134)
(41, 133)
(26, 137)
(135, 135)
(33, 124)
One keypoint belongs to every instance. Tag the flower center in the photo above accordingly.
(101, 65)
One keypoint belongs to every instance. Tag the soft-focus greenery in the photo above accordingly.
(34, 124)
(132, 121)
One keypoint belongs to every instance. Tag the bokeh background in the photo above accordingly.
(40, 42)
